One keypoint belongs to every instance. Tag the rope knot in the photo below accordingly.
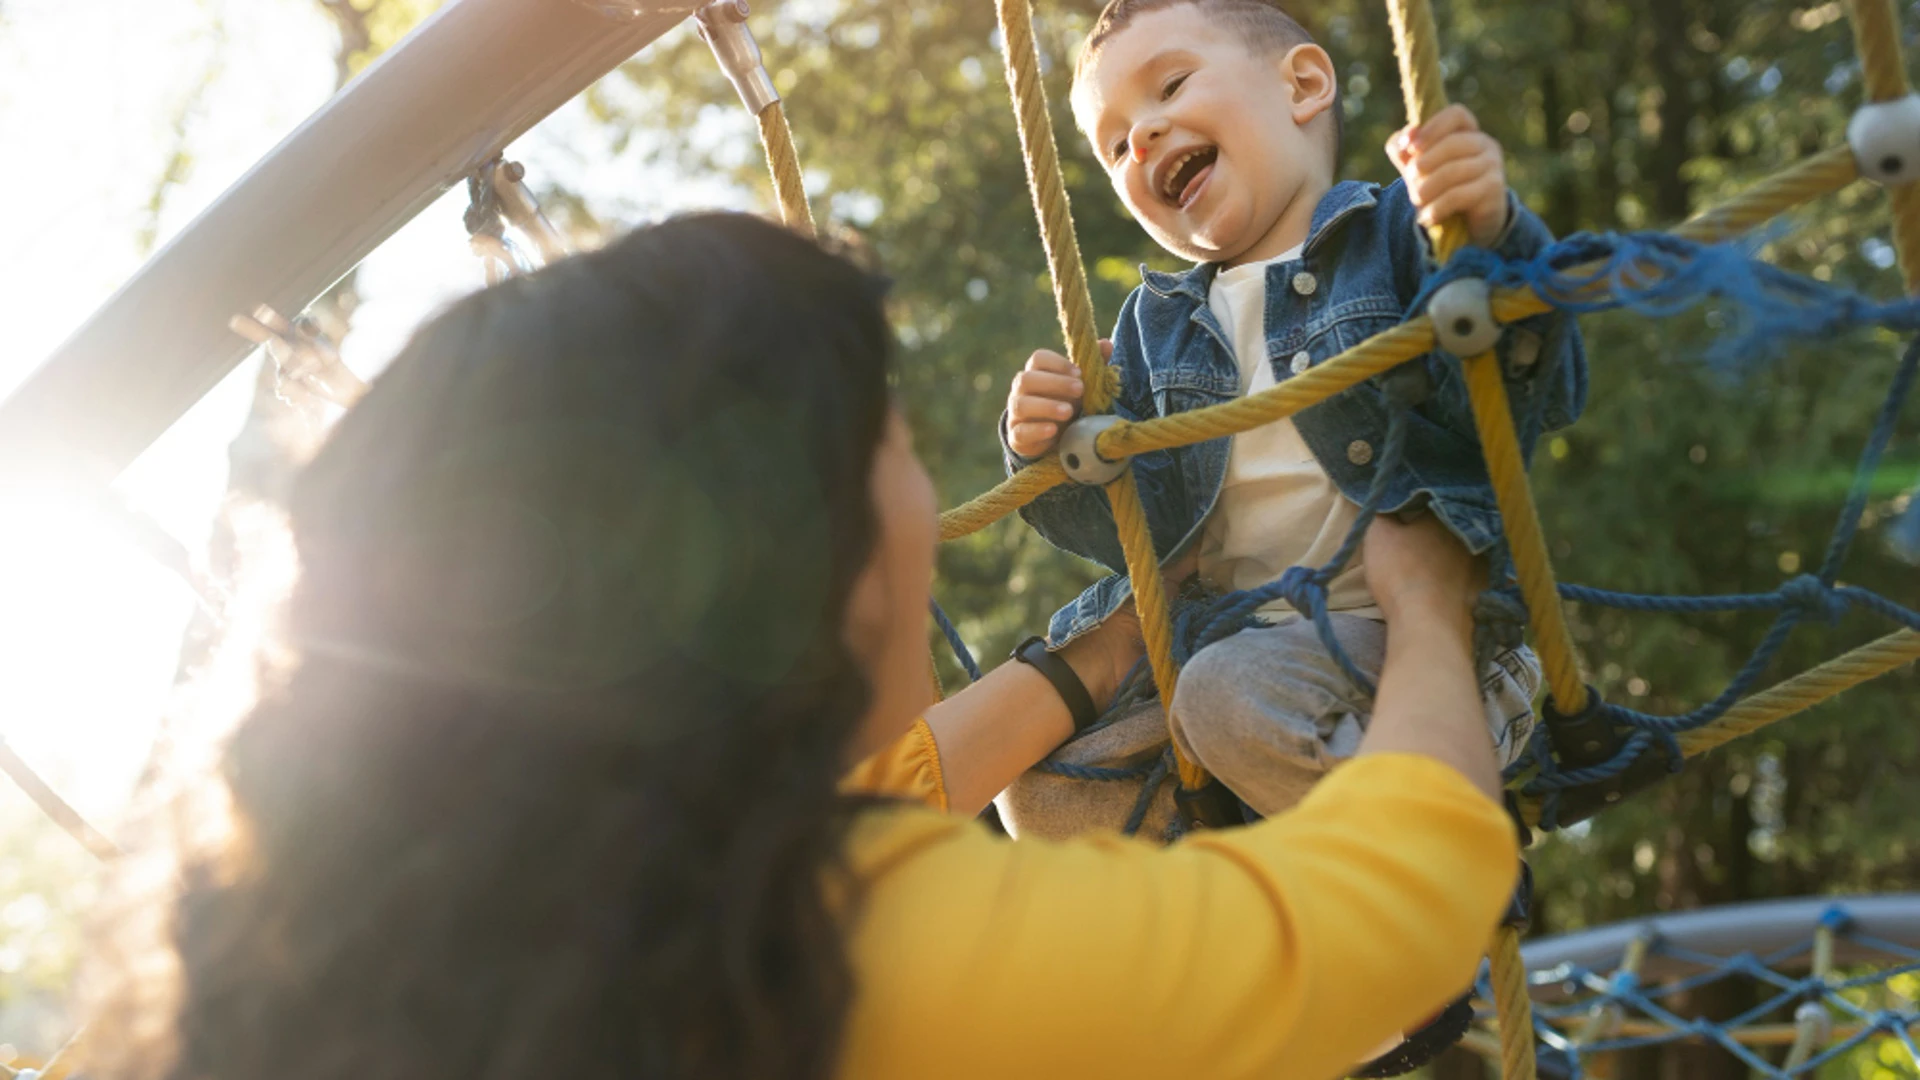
(1304, 588)
(1813, 598)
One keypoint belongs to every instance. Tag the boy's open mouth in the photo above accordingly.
(1187, 174)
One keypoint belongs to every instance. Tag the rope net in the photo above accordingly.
(1834, 1001)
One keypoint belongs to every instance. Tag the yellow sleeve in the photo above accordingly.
(908, 769)
(1286, 949)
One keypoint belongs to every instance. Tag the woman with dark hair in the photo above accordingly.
(606, 585)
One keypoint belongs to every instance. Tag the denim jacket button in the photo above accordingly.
(1301, 362)
(1304, 283)
(1359, 451)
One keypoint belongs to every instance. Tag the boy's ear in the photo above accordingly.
(1309, 70)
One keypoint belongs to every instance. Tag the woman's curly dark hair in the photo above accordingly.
(550, 790)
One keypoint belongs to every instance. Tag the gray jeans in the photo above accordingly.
(1267, 711)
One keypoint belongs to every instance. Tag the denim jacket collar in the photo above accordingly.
(1341, 201)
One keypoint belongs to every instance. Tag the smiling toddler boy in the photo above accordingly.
(1218, 122)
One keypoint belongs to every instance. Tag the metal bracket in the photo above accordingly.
(302, 354)
(1586, 739)
(1462, 314)
(522, 210)
(1885, 138)
(1080, 451)
(723, 26)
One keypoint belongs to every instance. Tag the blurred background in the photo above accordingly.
(121, 119)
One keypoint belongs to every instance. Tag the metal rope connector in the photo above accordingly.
(1462, 314)
(302, 354)
(1080, 451)
(723, 26)
(1885, 139)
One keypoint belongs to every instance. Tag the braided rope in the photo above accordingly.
(1876, 37)
(1075, 305)
(1050, 203)
(1376, 355)
(789, 189)
(1821, 174)
(1512, 1004)
(1149, 595)
(55, 807)
(1805, 690)
(1487, 388)
(1002, 499)
(1415, 42)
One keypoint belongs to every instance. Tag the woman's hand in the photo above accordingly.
(1419, 566)
(991, 732)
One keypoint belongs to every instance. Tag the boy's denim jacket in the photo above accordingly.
(1362, 265)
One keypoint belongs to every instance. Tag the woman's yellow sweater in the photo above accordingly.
(1290, 948)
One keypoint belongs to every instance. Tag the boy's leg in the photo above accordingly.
(1269, 712)
(1048, 804)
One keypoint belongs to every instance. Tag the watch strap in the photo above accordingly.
(1033, 653)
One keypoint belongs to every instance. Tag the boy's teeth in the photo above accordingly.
(1173, 174)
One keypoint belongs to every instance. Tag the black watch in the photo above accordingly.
(1033, 653)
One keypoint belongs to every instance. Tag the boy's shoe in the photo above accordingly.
(1425, 1043)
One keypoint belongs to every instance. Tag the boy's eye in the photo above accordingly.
(1119, 150)
(1173, 85)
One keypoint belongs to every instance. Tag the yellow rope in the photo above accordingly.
(1507, 470)
(1149, 594)
(784, 163)
(1379, 353)
(1876, 37)
(1821, 174)
(1805, 690)
(1050, 203)
(1415, 43)
(1009, 495)
(55, 807)
(1512, 1005)
(1075, 306)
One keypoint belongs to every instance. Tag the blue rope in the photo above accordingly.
(1658, 275)
(1808, 596)
(954, 642)
(1624, 991)
(1303, 588)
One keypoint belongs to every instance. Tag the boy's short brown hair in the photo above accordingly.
(1262, 25)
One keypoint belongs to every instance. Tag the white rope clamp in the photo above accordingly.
(1080, 451)
(1462, 314)
(723, 26)
(1885, 139)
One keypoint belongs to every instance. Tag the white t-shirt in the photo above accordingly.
(1278, 508)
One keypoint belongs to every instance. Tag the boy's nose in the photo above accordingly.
(1142, 140)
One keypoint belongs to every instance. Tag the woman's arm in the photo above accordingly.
(1429, 699)
(1287, 948)
(991, 732)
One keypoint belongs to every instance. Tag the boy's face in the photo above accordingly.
(1204, 138)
